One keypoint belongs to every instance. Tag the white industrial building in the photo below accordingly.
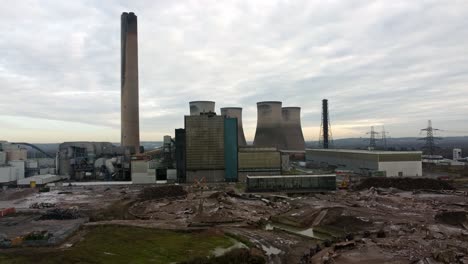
(384, 163)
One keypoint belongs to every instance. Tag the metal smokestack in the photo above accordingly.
(130, 126)
(236, 112)
(292, 129)
(198, 107)
(325, 123)
(269, 125)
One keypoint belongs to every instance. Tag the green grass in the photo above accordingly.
(121, 244)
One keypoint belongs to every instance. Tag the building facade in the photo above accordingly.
(388, 163)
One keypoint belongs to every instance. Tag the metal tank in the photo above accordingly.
(292, 129)
(236, 112)
(269, 129)
(130, 125)
(198, 107)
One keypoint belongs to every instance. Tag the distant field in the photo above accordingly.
(121, 244)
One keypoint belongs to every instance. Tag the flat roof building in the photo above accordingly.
(385, 163)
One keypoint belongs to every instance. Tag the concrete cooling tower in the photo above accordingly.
(269, 129)
(130, 126)
(292, 129)
(198, 107)
(236, 112)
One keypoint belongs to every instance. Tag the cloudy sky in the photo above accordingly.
(392, 63)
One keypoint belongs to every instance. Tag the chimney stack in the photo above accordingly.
(129, 118)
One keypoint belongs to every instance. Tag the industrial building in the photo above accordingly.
(383, 163)
(210, 148)
(92, 160)
(15, 164)
(258, 161)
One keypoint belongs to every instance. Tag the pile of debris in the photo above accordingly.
(41, 205)
(405, 184)
(169, 191)
(61, 214)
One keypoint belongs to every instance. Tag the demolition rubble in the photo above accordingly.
(375, 223)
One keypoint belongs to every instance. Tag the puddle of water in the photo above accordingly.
(309, 232)
(219, 251)
(271, 250)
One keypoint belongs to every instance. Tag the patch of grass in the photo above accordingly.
(123, 244)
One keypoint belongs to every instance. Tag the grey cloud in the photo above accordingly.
(393, 62)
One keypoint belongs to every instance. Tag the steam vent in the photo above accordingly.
(292, 129)
(130, 127)
(236, 112)
(198, 107)
(269, 125)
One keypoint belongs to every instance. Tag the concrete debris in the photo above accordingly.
(41, 205)
(406, 184)
(374, 225)
(61, 214)
(454, 218)
(168, 191)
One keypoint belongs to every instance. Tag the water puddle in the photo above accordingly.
(308, 232)
(219, 251)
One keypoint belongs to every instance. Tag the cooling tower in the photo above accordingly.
(129, 115)
(236, 112)
(269, 130)
(292, 129)
(198, 107)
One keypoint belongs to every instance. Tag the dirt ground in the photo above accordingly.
(373, 225)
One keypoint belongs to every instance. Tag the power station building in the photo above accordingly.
(378, 163)
(206, 150)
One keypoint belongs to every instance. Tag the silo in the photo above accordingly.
(292, 129)
(236, 112)
(269, 129)
(198, 107)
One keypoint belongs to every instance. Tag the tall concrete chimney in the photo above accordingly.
(292, 129)
(198, 107)
(269, 129)
(130, 124)
(236, 112)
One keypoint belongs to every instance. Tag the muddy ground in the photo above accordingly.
(372, 225)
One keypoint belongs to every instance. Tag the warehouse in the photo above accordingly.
(383, 163)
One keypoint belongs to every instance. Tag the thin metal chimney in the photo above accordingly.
(198, 107)
(130, 124)
(325, 122)
(236, 112)
(269, 125)
(292, 129)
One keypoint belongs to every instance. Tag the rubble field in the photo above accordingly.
(381, 221)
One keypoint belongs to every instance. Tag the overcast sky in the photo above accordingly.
(392, 63)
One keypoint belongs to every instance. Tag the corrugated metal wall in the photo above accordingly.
(204, 142)
(259, 160)
(180, 154)
(230, 149)
(296, 182)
